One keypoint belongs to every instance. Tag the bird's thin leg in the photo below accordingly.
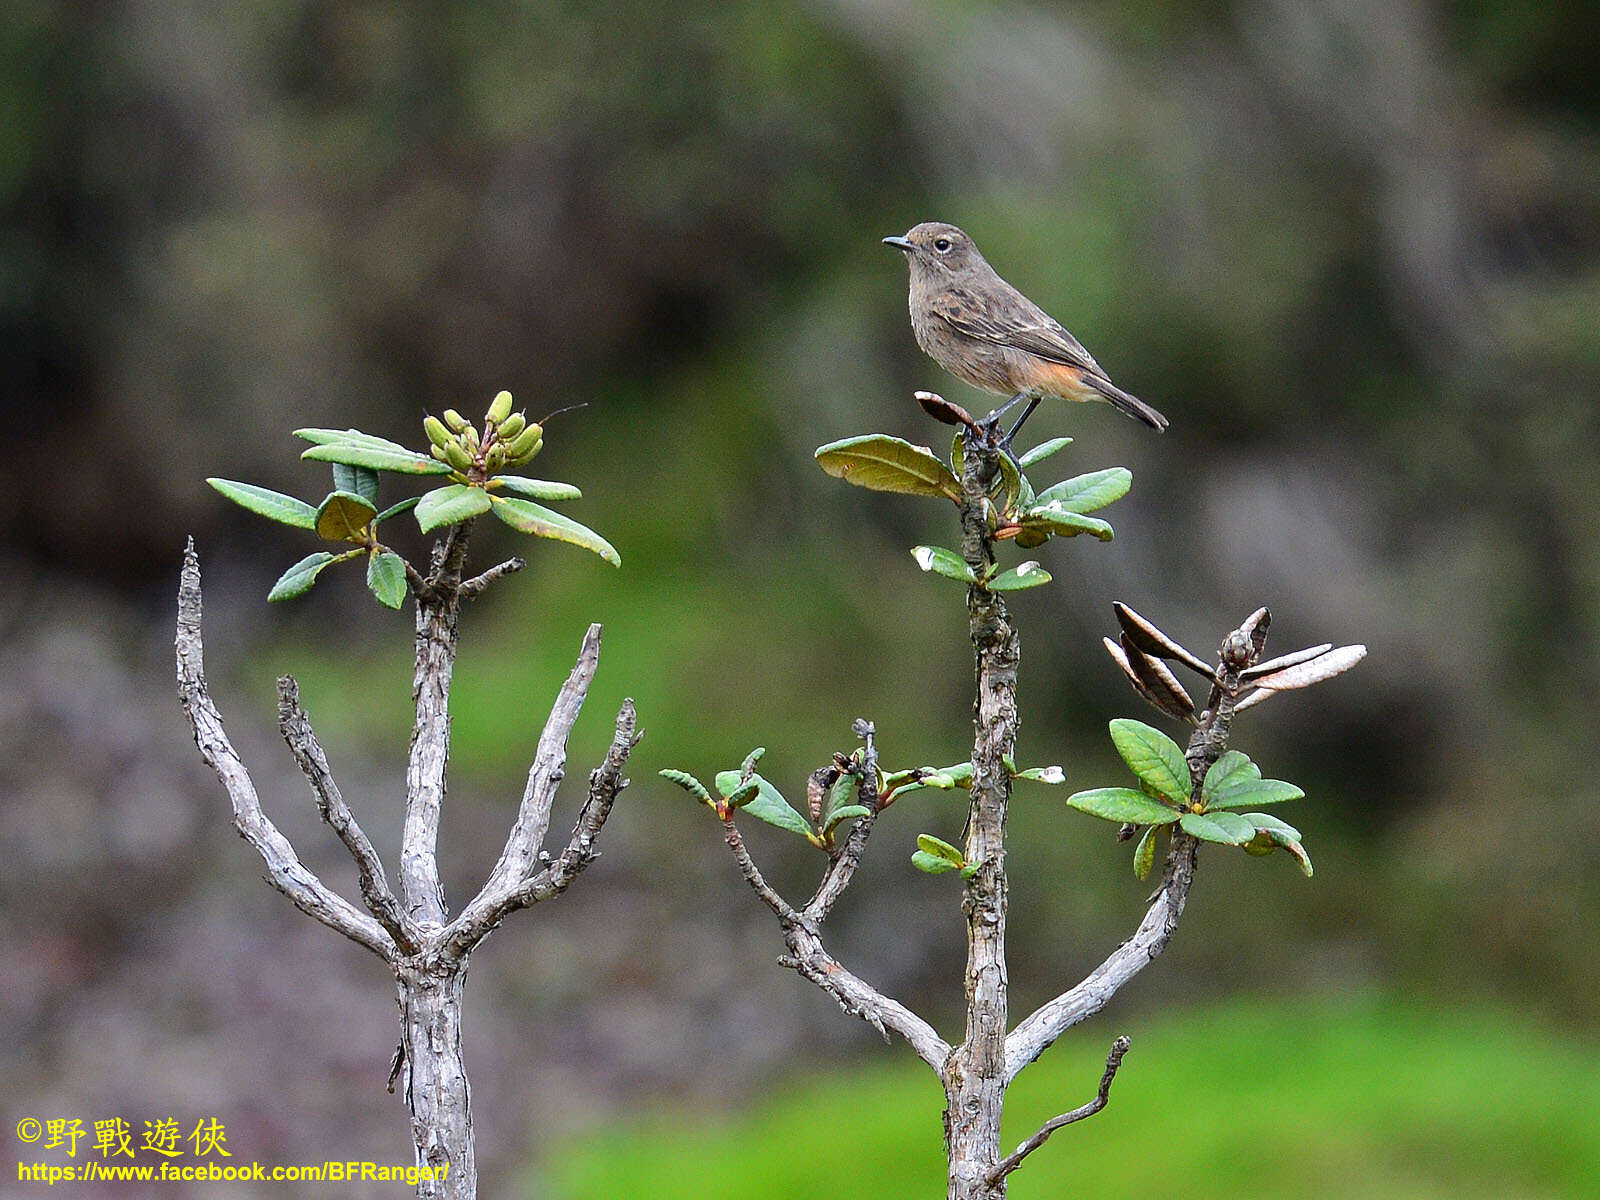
(993, 419)
(1026, 413)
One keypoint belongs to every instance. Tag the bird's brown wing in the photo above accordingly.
(1014, 321)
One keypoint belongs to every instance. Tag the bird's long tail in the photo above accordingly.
(1124, 403)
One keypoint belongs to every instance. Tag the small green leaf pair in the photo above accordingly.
(952, 566)
(936, 856)
(894, 784)
(1165, 797)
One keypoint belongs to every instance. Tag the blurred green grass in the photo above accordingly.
(1360, 1098)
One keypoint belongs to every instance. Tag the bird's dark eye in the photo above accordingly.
(941, 244)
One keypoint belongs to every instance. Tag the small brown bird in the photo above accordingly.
(984, 332)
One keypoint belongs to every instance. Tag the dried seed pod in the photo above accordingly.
(1324, 666)
(1159, 681)
(1120, 657)
(1285, 660)
(1143, 634)
(1254, 698)
(940, 409)
(1255, 628)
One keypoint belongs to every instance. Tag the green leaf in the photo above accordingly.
(1123, 805)
(1043, 451)
(537, 489)
(943, 562)
(1042, 775)
(353, 437)
(386, 577)
(1031, 536)
(1294, 848)
(1271, 825)
(768, 804)
(1025, 497)
(360, 480)
(971, 869)
(741, 796)
(297, 580)
(837, 797)
(344, 517)
(1253, 792)
(940, 848)
(1144, 854)
(845, 812)
(376, 453)
(527, 517)
(889, 464)
(1025, 575)
(1010, 485)
(1153, 756)
(394, 510)
(932, 863)
(1218, 828)
(689, 784)
(1086, 493)
(943, 778)
(1232, 768)
(1061, 523)
(451, 505)
(265, 502)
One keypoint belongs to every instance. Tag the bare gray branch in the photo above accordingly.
(859, 998)
(605, 784)
(1048, 1022)
(1014, 1160)
(295, 726)
(477, 583)
(438, 612)
(285, 871)
(517, 860)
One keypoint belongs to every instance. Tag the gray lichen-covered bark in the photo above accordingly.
(426, 951)
(435, 1074)
(975, 1073)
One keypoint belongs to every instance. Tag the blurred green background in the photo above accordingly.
(1349, 248)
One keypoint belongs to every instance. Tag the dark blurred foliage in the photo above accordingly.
(1348, 247)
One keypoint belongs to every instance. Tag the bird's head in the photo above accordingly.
(936, 246)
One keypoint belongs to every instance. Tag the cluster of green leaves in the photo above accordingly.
(935, 855)
(473, 463)
(744, 790)
(1165, 796)
(1017, 512)
(349, 513)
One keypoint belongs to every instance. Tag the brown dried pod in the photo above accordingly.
(1323, 666)
(1285, 660)
(1153, 642)
(1161, 682)
(1120, 657)
(1255, 628)
(944, 411)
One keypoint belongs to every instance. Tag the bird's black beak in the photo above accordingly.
(900, 243)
